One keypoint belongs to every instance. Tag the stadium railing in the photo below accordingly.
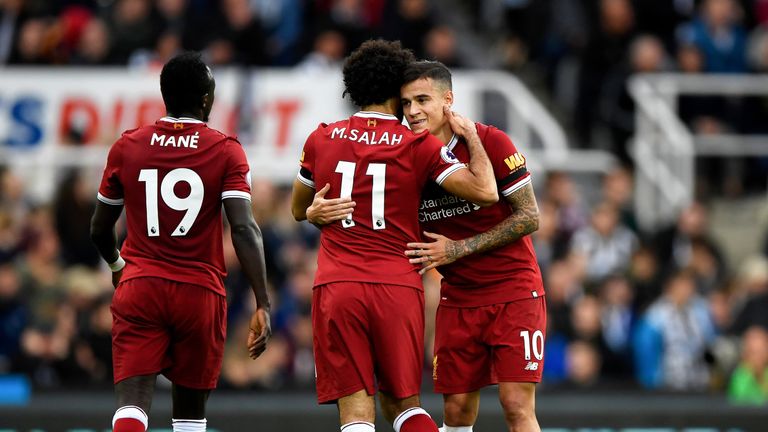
(665, 149)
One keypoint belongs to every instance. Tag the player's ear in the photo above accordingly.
(448, 97)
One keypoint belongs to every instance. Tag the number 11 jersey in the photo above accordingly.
(383, 166)
(172, 177)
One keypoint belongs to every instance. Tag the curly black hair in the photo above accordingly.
(184, 80)
(373, 73)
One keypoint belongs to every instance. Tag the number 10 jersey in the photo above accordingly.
(172, 177)
(383, 166)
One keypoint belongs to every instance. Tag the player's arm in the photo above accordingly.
(523, 221)
(476, 184)
(104, 237)
(301, 198)
(247, 241)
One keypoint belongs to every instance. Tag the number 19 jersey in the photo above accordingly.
(172, 177)
(383, 166)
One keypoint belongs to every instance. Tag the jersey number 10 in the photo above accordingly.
(376, 170)
(191, 204)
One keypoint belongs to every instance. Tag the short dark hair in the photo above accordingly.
(184, 80)
(373, 73)
(435, 70)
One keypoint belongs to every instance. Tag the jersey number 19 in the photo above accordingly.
(190, 204)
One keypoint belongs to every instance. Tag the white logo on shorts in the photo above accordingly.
(532, 366)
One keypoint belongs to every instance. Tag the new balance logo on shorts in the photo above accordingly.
(532, 366)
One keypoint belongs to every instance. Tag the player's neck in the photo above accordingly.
(390, 106)
(185, 114)
(444, 134)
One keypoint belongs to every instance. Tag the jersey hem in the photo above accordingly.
(110, 201)
(448, 171)
(516, 187)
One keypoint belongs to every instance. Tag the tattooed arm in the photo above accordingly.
(523, 221)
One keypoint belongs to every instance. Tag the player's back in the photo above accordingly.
(383, 166)
(174, 175)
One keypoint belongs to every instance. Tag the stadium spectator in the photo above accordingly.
(441, 45)
(132, 27)
(645, 276)
(93, 48)
(327, 55)
(617, 189)
(73, 205)
(752, 297)
(617, 318)
(679, 245)
(237, 36)
(718, 35)
(749, 382)
(409, 21)
(14, 317)
(617, 108)
(673, 338)
(612, 28)
(560, 190)
(603, 248)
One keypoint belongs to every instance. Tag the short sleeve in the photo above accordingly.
(508, 163)
(111, 189)
(237, 177)
(306, 168)
(432, 157)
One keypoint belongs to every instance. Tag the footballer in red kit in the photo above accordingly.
(481, 282)
(176, 171)
(383, 166)
(169, 307)
(501, 275)
(491, 318)
(368, 303)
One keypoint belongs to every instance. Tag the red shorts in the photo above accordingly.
(366, 334)
(161, 326)
(476, 347)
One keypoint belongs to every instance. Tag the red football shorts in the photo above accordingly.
(476, 347)
(365, 334)
(161, 326)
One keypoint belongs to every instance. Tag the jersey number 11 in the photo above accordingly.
(376, 170)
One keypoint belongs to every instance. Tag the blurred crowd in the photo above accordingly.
(656, 310)
(577, 53)
(626, 308)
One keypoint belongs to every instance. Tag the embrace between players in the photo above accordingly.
(372, 199)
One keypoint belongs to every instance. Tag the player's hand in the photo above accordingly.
(116, 278)
(440, 252)
(460, 125)
(324, 211)
(259, 331)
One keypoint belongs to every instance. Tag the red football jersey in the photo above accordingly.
(172, 177)
(383, 166)
(500, 275)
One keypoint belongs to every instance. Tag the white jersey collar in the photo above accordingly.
(376, 115)
(180, 120)
(452, 142)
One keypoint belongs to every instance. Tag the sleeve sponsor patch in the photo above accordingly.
(448, 156)
(515, 161)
